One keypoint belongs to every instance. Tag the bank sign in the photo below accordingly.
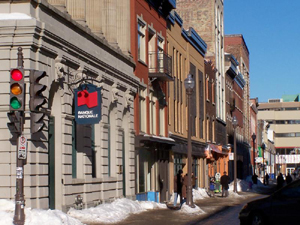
(87, 104)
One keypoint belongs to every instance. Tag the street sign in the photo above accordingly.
(22, 147)
(231, 156)
(87, 104)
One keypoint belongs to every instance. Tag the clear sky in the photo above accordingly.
(271, 29)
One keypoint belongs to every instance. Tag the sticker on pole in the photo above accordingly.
(22, 147)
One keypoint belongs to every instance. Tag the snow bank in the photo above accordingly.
(35, 216)
(113, 212)
(188, 210)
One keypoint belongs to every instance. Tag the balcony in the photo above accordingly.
(160, 66)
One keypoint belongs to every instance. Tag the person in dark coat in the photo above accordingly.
(177, 187)
(254, 178)
(280, 181)
(225, 184)
(267, 179)
(288, 178)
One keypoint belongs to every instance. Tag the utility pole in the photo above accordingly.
(19, 217)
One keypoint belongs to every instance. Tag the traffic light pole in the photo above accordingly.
(19, 217)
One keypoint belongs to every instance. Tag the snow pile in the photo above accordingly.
(35, 216)
(14, 16)
(188, 210)
(199, 193)
(113, 212)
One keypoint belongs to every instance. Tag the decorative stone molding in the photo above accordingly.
(128, 98)
(114, 92)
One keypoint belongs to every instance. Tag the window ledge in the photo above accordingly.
(142, 62)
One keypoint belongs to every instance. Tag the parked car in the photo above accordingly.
(282, 207)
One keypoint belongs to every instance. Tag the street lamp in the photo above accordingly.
(189, 84)
(253, 138)
(263, 147)
(234, 124)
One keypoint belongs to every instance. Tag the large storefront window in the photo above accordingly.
(178, 164)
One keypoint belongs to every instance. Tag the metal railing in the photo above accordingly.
(160, 63)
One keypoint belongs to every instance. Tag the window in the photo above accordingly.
(141, 40)
(161, 121)
(213, 92)
(142, 109)
(160, 54)
(206, 88)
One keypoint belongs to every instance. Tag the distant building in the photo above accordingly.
(283, 118)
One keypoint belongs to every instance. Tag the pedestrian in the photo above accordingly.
(184, 188)
(254, 178)
(288, 178)
(267, 179)
(194, 181)
(280, 181)
(177, 187)
(225, 184)
(212, 187)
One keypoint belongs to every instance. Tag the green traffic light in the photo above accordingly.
(15, 103)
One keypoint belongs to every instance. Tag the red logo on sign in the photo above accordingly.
(86, 98)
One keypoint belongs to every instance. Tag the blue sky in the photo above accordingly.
(271, 30)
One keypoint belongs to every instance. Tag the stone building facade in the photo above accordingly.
(65, 159)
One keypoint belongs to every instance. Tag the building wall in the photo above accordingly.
(206, 17)
(187, 59)
(68, 51)
(235, 44)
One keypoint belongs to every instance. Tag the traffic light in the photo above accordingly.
(15, 124)
(17, 90)
(36, 122)
(37, 99)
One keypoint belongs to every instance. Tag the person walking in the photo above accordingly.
(267, 179)
(288, 178)
(212, 187)
(177, 187)
(184, 188)
(225, 184)
(280, 181)
(254, 178)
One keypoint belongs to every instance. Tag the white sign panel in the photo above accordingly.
(22, 147)
(231, 156)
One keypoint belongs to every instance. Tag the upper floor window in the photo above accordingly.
(141, 40)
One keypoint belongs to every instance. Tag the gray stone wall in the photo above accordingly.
(68, 52)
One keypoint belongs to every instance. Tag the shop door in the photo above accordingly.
(163, 177)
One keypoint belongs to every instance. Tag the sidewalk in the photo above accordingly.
(208, 207)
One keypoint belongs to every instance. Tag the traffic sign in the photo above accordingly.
(22, 147)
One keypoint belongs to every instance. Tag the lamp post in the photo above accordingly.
(189, 84)
(253, 138)
(234, 124)
(263, 147)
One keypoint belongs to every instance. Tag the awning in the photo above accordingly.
(145, 139)
(215, 148)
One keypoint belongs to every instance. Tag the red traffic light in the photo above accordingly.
(17, 90)
(16, 75)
